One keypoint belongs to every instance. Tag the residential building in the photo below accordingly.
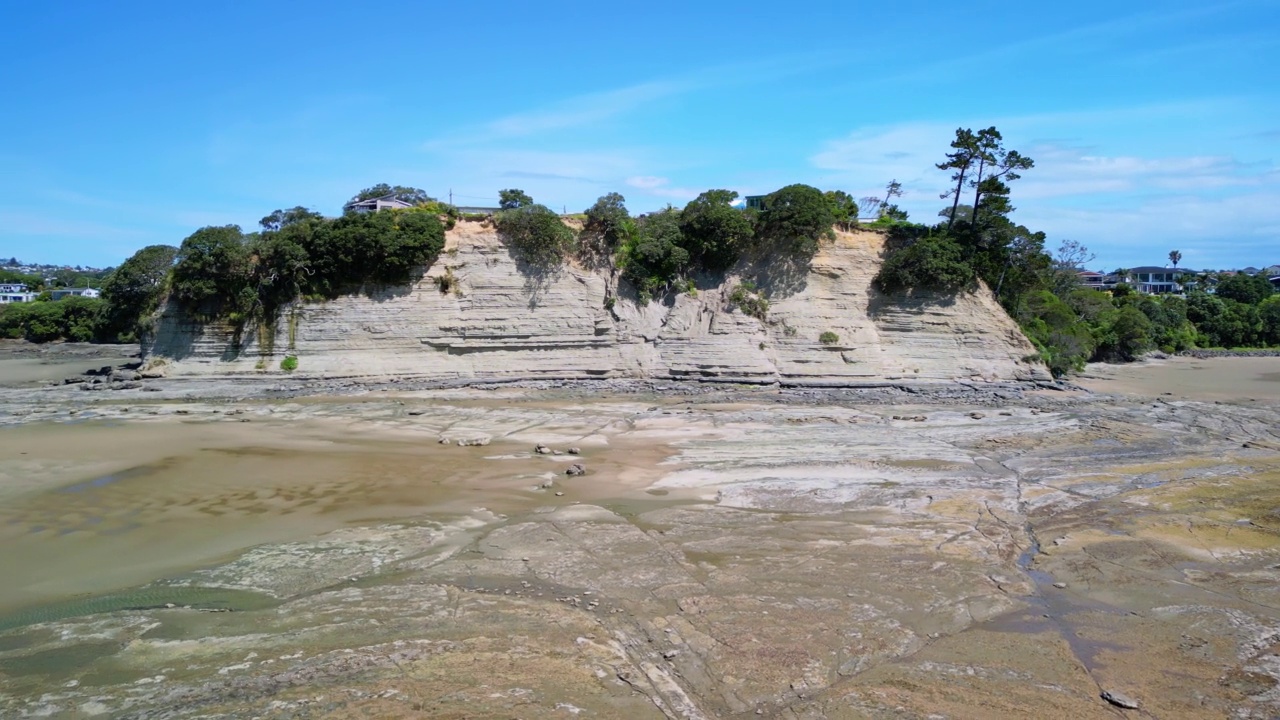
(15, 297)
(477, 210)
(755, 202)
(385, 202)
(13, 287)
(88, 292)
(1157, 280)
(1092, 280)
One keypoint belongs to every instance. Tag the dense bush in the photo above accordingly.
(713, 232)
(1064, 342)
(74, 318)
(1247, 289)
(795, 218)
(212, 268)
(844, 209)
(536, 232)
(828, 338)
(133, 290)
(655, 257)
(929, 263)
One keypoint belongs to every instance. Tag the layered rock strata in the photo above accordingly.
(498, 319)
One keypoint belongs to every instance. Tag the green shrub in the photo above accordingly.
(78, 319)
(828, 338)
(289, 363)
(929, 263)
(1065, 342)
(536, 233)
(654, 258)
(745, 297)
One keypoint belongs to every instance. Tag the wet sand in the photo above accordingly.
(1225, 378)
(735, 555)
(24, 364)
(91, 508)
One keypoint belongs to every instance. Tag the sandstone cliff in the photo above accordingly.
(500, 321)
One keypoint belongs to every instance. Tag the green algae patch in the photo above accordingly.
(146, 598)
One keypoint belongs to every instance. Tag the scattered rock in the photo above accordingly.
(976, 415)
(575, 451)
(418, 411)
(1060, 585)
(542, 450)
(1119, 699)
(478, 441)
(576, 469)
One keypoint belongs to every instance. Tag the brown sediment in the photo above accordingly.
(732, 556)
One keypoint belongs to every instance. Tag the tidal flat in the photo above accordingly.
(259, 547)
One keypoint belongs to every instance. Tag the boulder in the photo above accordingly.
(1119, 699)
(576, 469)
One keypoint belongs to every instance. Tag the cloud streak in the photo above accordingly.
(1122, 205)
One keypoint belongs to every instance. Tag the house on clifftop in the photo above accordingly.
(384, 202)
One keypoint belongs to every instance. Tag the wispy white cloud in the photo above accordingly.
(1124, 206)
(597, 107)
(660, 187)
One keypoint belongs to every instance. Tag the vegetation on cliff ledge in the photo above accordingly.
(227, 274)
(1069, 324)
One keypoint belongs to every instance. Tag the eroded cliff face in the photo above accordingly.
(500, 321)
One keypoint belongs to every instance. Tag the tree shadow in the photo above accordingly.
(914, 301)
(538, 275)
(778, 275)
(593, 251)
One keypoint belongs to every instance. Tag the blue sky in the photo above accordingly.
(1154, 125)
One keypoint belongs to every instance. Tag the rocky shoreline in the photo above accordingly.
(966, 550)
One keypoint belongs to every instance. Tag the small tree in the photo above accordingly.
(1175, 257)
(844, 209)
(891, 191)
(512, 199)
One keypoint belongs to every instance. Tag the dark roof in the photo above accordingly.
(373, 200)
(1157, 269)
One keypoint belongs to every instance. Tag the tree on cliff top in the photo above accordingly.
(713, 232)
(212, 266)
(795, 218)
(411, 195)
(131, 291)
(536, 232)
(511, 198)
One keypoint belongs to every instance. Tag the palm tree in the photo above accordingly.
(1175, 257)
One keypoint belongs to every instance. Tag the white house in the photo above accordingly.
(386, 202)
(16, 297)
(75, 292)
